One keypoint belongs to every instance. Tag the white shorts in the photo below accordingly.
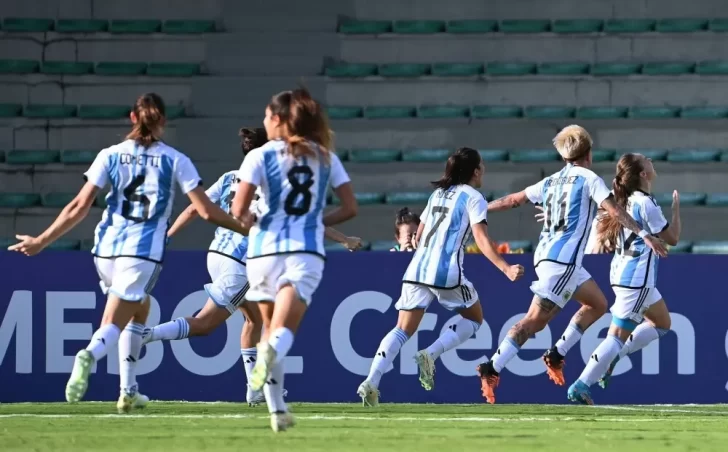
(415, 296)
(558, 282)
(229, 281)
(631, 304)
(268, 274)
(129, 278)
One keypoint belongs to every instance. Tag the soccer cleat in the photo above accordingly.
(604, 381)
(78, 381)
(128, 402)
(369, 394)
(280, 422)
(554, 366)
(427, 369)
(489, 380)
(254, 398)
(141, 401)
(579, 393)
(146, 336)
(261, 371)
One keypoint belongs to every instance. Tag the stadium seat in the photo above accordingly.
(173, 69)
(471, 26)
(87, 244)
(613, 69)
(343, 154)
(175, 111)
(577, 26)
(548, 112)
(629, 25)
(358, 27)
(408, 198)
(10, 110)
(683, 246)
(524, 26)
(718, 25)
(496, 111)
(563, 68)
(351, 70)
(710, 247)
(19, 66)
(717, 200)
(457, 69)
(19, 200)
(443, 111)
(66, 67)
(704, 112)
(681, 25)
(81, 25)
(601, 112)
(418, 26)
(724, 156)
(499, 68)
(534, 155)
(652, 154)
(22, 157)
(374, 155)
(64, 245)
(58, 200)
(142, 26)
(524, 245)
(78, 157)
(391, 112)
(363, 198)
(653, 112)
(2, 156)
(496, 195)
(493, 155)
(603, 155)
(188, 26)
(712, 68)
(669, 68)
(49, 111)
(693, 155)
(404, 70)
(344, 112)
(426, 155)
(686, 198)
(383, 245)
(27, 25)
(104, 111)
(120, 68)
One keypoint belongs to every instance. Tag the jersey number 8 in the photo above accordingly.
(131, 196)
(298, 201)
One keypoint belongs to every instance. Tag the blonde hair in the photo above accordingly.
(304, 121)
(149, 126)
(573, 142)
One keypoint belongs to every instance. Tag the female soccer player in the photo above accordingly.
(454, 209)
(633, 274)
(131, 238)
(405, 228)
(286, 248)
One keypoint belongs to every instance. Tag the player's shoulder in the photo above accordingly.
(228, 177)
(472, 192)
(644, 199)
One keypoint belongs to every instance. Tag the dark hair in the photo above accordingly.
(460, 167)
(304, 120)
(252, 138)
(149, 111)
(626, 181)
(405, 216)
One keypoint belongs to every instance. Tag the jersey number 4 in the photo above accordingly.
(624, 245)
(140, 199)
(560, 224)
(298, 201)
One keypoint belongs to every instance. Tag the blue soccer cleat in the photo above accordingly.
(579, 393)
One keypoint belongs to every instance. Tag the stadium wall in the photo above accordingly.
(50, 305)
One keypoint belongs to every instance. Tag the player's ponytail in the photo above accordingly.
(626, 181)
(252, 139)
(304, 122)
(459, 169)
(148, 116)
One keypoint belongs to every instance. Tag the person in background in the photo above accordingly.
(405, 228)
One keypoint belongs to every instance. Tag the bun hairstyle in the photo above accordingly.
(252, 138)
(150, 115)
(405, 216)
(303, 122)
(459, 169)
(626, 181)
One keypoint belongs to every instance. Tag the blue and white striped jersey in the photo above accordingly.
(570, 199)
(139, 204)
(227, 242)
(438, 260)
(293, 197)
(634, 265)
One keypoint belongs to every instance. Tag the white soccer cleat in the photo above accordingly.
(254, 398)
(128, 402)
(427, 369)
(261, 371)
(369, 394)
(78, 381)
(280, 422)
(146, 336)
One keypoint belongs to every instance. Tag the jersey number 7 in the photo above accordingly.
(443, 213)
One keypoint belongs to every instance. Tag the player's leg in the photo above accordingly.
(130, 347)
(249, 338)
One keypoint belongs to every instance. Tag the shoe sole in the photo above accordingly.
(486, 390)
(261, 371)
(125, 405)
(554, 374)
(427, 372)
(75, 390)
(581, 398)
(364, 400)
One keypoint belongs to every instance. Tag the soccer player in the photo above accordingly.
(454, 211)
(131, 238)
(286, 248)
(569, 198)
(405, 228)
(633, 274)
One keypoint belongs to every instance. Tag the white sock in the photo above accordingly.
(459, 332)
(130, 346)
(641, 338)
(170, 331)
(600, 360)
(506, 351)
(571, 336)
(273, 389)
(388, 350)
(249, 355)
(103, 338)
(281, 340)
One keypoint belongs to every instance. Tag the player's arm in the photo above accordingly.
(418, 234)
(351, 243)
(343, 189)
(208, 211)
(616, 211)
(671, 234)
(486, 246)
(508, 202)
(185, 218)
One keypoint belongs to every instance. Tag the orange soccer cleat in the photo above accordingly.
(554, 366)
(489, 380)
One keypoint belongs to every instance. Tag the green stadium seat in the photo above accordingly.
(577, 26)
(603, 155)
(683, 246)
(534, 155)
(693, 155)
(493, 155)
(524, 26)
(724, 156)
(103, 111)
(21, 157)
(601, 112)
(49, 111)
(686, 199)
(101, 201)
(471, 26)
(496, 111)
(10, 110)
(710, 247)
(443, 111)
(383, 245)
(27, 25)
(718, 25)
(351, 70)
(389, 112)
(681, 25)
(363, 198)
(343, 154)
(374, 155)
(602, 69)
(629, 25)
(120, 68)
(64, 245)
(408, 198)
(653, 112)
(335, 112)
(19, 200)
(87, 244)
(418, 26)
(58, 200)
(524, 245)
(5, 242)
(426, 155)
(704, 112)
(66, 67)
(712, 68)
(669, 68)
(496, 195)
(368, 27)
(656, 155)
(19, 66)
(563, 68)
(175, 111)
(188, 26)
(717, 200)
(81, 25)
(2, 156)
(143, 26)
(78, 157)
(499, 68)
(173, 69)
(548, 112)
(457, 69)
(404, 69)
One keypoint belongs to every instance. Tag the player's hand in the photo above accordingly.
(657, 245)
(540, 216)
(675, 201)
(248, 219)
(30, 246)
(515, 272)
(353, 243)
